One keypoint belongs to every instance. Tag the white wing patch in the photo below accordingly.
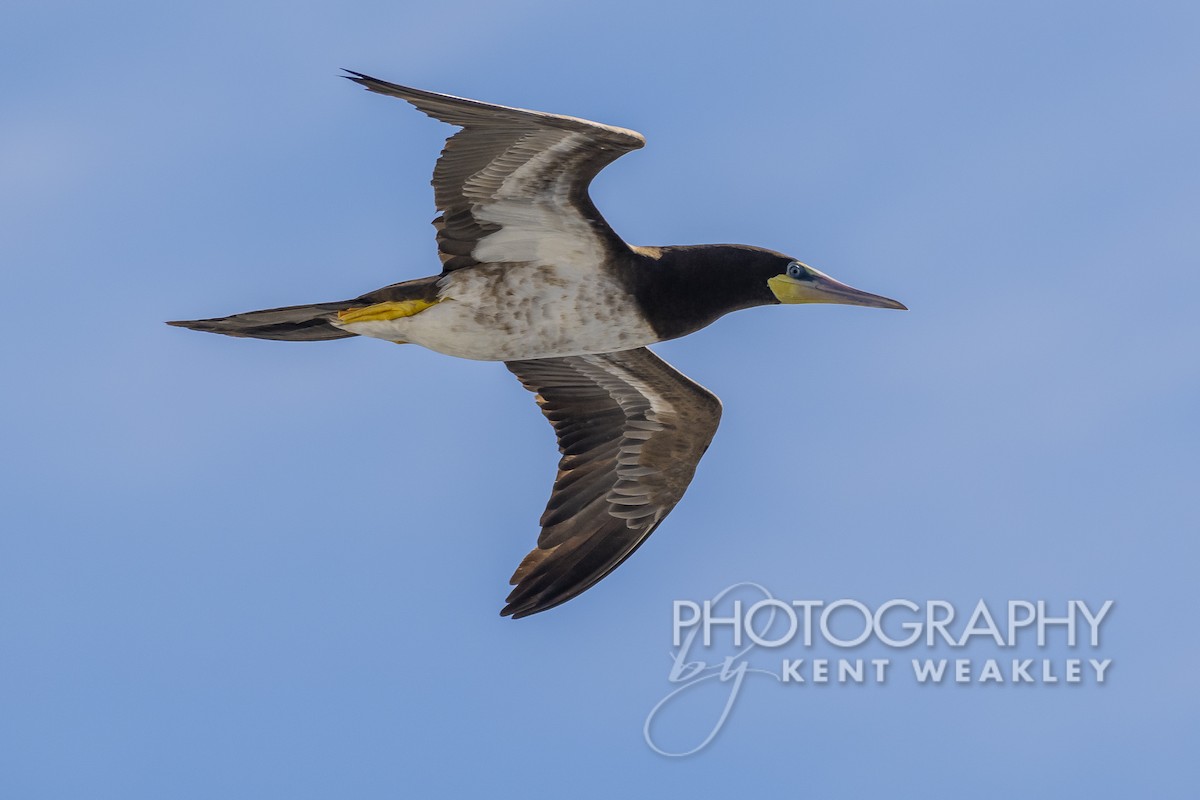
(629, 499)
(533, 207)
(659, 405)
(540, 289)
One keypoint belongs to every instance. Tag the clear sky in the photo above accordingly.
(235, 568)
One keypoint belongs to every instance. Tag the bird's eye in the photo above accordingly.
(795, 270)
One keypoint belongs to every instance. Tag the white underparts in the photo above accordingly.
(507, 312)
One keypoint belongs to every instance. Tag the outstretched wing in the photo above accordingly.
(631, 430)
(512, 184)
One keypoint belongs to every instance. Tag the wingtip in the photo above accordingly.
(510, 609)
(513, 612)
(202, 325)
(518, 605)
(366, 81)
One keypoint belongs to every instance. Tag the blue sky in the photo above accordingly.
(244, 569)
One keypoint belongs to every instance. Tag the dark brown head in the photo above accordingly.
(683, 289)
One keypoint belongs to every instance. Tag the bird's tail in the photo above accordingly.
(312, 323)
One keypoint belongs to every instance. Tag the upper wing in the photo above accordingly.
(631, 430)
(512, 184)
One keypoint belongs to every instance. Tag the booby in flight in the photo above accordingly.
(533, 276)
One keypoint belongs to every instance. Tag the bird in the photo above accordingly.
(533, 276)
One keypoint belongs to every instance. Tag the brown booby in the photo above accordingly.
(533, 276)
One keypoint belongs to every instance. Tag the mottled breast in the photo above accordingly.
(512, 312)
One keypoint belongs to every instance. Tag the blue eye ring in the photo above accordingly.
(796, 270)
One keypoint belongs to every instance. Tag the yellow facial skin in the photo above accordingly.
(814, 286)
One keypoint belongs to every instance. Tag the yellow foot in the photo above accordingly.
(382, 312)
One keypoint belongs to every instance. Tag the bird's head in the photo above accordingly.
(683, 289)
(796, 282)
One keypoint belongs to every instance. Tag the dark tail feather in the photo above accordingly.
(291, 324)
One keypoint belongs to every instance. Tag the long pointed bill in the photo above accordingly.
(817, 287)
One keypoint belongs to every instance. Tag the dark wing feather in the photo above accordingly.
(631, 430)
(515, 178)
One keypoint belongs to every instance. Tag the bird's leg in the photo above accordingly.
(383, 312)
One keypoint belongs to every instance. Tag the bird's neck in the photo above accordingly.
(683, 289)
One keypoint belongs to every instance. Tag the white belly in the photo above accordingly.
(513, 312)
